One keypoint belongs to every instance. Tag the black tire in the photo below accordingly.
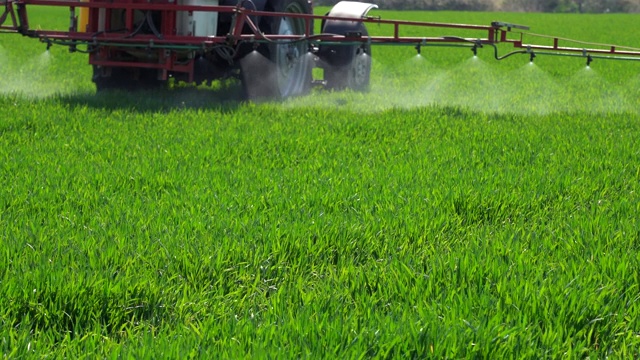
(129, 79)
(347, 66)
(283, 69)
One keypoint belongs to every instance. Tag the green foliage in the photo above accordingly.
(433, 217)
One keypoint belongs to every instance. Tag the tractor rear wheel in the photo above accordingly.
(282, 68)
(347, 66)
(355, 74)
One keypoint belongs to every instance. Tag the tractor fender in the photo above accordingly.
(349, 10)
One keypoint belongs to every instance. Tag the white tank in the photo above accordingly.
(198, 23)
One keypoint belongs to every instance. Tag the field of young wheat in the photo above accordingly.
(461, 208)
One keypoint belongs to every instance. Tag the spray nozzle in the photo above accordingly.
(312, 48)
(589, 60)
(476, 45)
(532, 57)
(420, 45)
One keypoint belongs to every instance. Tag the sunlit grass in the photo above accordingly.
(498, 222)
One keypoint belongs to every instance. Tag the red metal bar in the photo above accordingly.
(169, 22)
(238, 24)
(136, 6)
(308, 29)
(577, 50)
(253, 28)
(128, 23)
(149, 40)
(8, 13)
(23, 19)
(239, 10)
(242, 17)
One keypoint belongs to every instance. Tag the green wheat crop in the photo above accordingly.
(461, 209)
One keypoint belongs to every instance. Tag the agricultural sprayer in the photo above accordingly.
(270, 45)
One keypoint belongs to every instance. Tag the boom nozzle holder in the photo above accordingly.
(532, 54)
(420, 45)
(588, 56)
(476, 45)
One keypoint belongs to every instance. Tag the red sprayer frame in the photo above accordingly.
(169, 44)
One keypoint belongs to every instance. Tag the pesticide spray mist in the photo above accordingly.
(3, 57)
(37, 74)
(27, 78)
(416, 81)
(484, 86)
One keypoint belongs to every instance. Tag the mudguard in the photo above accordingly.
(350, 10)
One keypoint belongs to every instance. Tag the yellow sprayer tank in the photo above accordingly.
(83, 19)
